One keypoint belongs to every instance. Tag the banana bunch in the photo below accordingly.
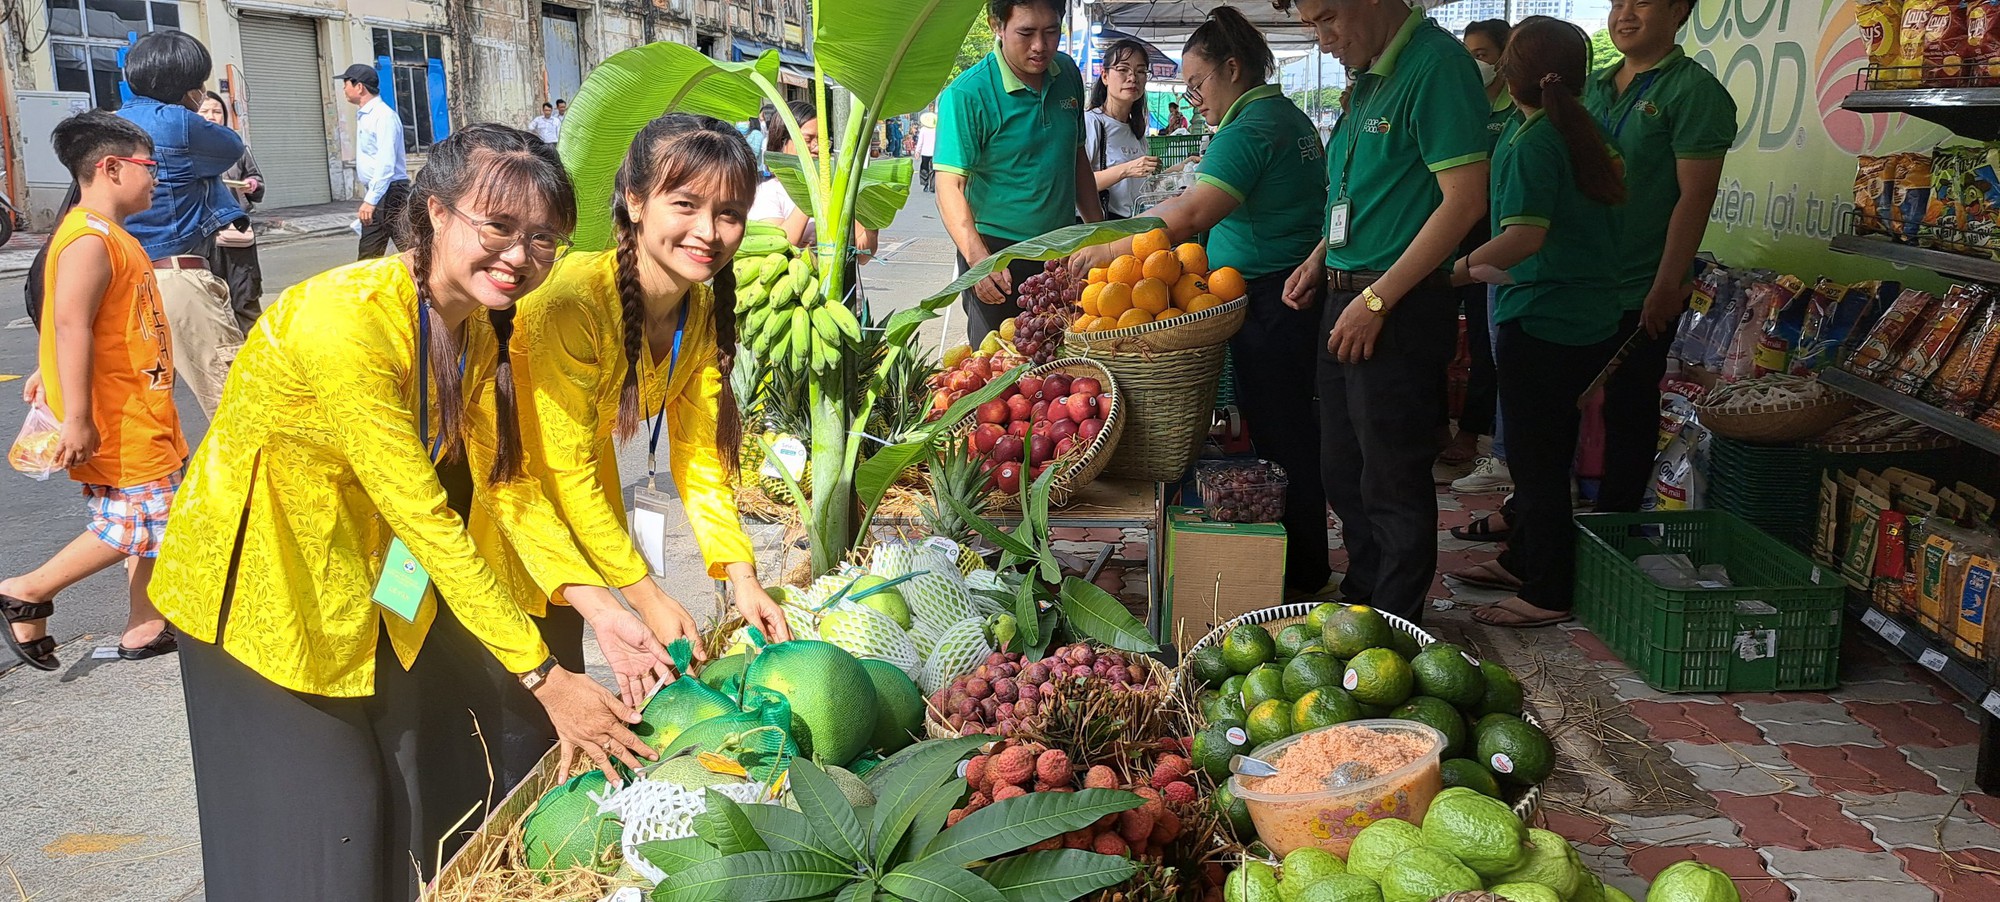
(782, 316)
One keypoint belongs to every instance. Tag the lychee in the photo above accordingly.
(979, 800)
(1110, 844)
(975, 772)
(1053, 767)
(1179, 793)
(952, 819)
(1008, 791)
(1167, 827)
(1100, 777)
(1015, 765)
(1135, 825)
(1076, 839)
(1169, 769)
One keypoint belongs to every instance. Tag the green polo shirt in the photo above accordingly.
(1673, 111)
(1503, 112)
(1419, 111)
(1015, 146)
(1267, 155)
(1564, 293)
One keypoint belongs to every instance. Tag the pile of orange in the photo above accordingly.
(1154, 283)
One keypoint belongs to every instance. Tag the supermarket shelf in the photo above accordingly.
(1969, 112)
(1944, 262)
(1929, 654)
(1887, 398)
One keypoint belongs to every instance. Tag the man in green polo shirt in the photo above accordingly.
(1406, 179)
(1010, 163)
(1673, 122)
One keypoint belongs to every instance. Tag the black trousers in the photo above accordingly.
(1539, 384)
(1379, 435)
(383, 227)
(981, 317)
(240, 268)
(1275, 369)
(1475, 414)
(1631, 421)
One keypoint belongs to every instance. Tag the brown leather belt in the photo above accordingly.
(1361, 280)
(183, 261)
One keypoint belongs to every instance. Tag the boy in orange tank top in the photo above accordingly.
(107, 374)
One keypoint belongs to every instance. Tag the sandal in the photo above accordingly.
(1518, 614)
(163, 644)
(1483, 530)
(38, 653)
(1489, 575)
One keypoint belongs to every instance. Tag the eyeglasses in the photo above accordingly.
(1194, 90)
(498, 237)
(152, 166)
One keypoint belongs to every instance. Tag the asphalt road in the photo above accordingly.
(98, 803)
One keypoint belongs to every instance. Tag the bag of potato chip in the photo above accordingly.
(1879, 21)
(1912, 195)
(1945, 49)
(1906, 68)
(1982, 42)
(1874, 194)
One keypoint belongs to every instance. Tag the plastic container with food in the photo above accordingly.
(1242, 491)
(1333, 781)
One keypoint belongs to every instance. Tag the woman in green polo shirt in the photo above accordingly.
(1672, 122)
(1259, 197)
(1553, 255)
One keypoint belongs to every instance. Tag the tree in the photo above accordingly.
(1317, 100)
(978, 43)
(1602, 51)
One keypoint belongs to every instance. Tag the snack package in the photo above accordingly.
(34, 448)
(1982, 42)
(1863, 524)
(1944, 213)
(1826, 526)
(1766, 299)
(1883, 347)
(1703, 305)
(1827, 333)
(1961, 392)
(1880, 21)
(1912, 196)
(1945, 49)
(1947, 320)
(1969, 633)
(1906, 67)
(1939, 545)
(1979, 504)
(1875, 194)
(1951, 505)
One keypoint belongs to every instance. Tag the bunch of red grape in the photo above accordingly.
(1048, 301)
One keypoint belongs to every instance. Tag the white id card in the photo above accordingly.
(649, 526)
(1336, 222)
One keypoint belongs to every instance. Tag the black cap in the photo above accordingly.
(364, 74)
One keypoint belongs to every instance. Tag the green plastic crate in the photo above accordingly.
(1172, 149)
(1778, 628)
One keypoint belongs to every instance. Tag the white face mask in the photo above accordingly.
(1487, 73)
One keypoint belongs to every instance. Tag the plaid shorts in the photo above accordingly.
(132, 520)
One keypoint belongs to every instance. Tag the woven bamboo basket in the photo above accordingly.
(1170, 396)
(1088, 462)
(1793, 421)
(1275, 618)
(1159, 679)
(1189, 330)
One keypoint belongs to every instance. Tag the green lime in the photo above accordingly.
(1503, 692)
(1486, 723)
(1692, 881)
(1439, 715)
(1208, 665)
(1269, 722)
(1516, 751)
(1214, 746)
(1469, 774)
(1379, 844)
(1404, 643)
(1324, 707)
(1293, 639)
(1550, 862)
(1304, 867)
(1316, 618)
(1422, 874)
(1235, 811)
(1311, 670)
(1227, 707)
(1480, 831)
(1248, 646)
(1255, 881)
(1443, 670)
(1525, 892)
(1263, 684)
(1378, 676)
(1342, 888)
(1353, 629)
(1233, 685)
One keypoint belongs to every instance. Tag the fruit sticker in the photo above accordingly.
(1502, 763)
(1350, 680)
(962, 765)
(1236, 736)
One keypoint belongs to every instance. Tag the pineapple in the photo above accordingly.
(954, 473)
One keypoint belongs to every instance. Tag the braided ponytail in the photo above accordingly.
(632, 307)
(506, 422)
(728, 418)
(440, 347)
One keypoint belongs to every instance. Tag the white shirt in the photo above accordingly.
(927, 142)
(546, 127)
(378, 154)
(772, 203)
(1119, 145)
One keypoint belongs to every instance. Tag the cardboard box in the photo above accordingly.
(1216, 571)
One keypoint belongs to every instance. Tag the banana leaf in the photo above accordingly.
(894, 62)
(885, 187)
(1054, 245)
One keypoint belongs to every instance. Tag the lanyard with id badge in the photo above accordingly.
(401, 587)
(1339, 211)
(650, 506)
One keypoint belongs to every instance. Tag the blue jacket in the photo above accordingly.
(190, 202)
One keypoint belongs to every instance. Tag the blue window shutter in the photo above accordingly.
(440, 110)
(386, 71)
(124, 90)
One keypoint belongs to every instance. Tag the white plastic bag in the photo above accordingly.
(34, 449)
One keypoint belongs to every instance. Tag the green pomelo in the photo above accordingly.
(1353, 629)
(687, 771)
(1692, 881)
(1423, 874)
(566, 831)
(831, 695)
(718, 671)
(1342, 888)
(899, 707)
(1379, 844)
(1478, 830)
(682, 704)
(888, 602)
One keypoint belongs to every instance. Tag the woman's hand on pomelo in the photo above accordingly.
(587, 716)
(758, 609)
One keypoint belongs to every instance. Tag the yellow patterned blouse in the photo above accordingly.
(569, 357)
(314, 462)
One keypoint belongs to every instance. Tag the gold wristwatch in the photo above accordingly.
(1373, 302)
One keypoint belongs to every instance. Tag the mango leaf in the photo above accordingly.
(1026, 614)
(894, 64)
(755, 877)
(726, 828)
(885, 187)
(1101, 617)
(1056, 876)
(1054, 245)
(914, 770)
(862, 890)
(920, 824)
(932, 880)
(627, 91)
(785, 830)
(1000, 538)
(1009, 825)
(827, 810)
(875, 475)
(676, 855)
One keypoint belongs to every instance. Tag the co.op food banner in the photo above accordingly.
(1788, 183)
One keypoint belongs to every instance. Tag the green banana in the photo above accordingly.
(824, 357)
(798, 269)
(752, 297)
(774, 266)
(822, 321)
(801, 337)
(844, 319)
(781, 294)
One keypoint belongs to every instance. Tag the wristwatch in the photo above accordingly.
(534, 679)
(1373, 301)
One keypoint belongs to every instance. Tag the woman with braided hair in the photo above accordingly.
(639, 341)
(351, 466)
(1555, 184)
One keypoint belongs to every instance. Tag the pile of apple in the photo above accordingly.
(967, 371)
(1035, 422)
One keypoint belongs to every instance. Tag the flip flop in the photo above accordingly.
(1489, 575)
(1482, 530)
(1507, 613)
(37, 653)
(163, 644)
